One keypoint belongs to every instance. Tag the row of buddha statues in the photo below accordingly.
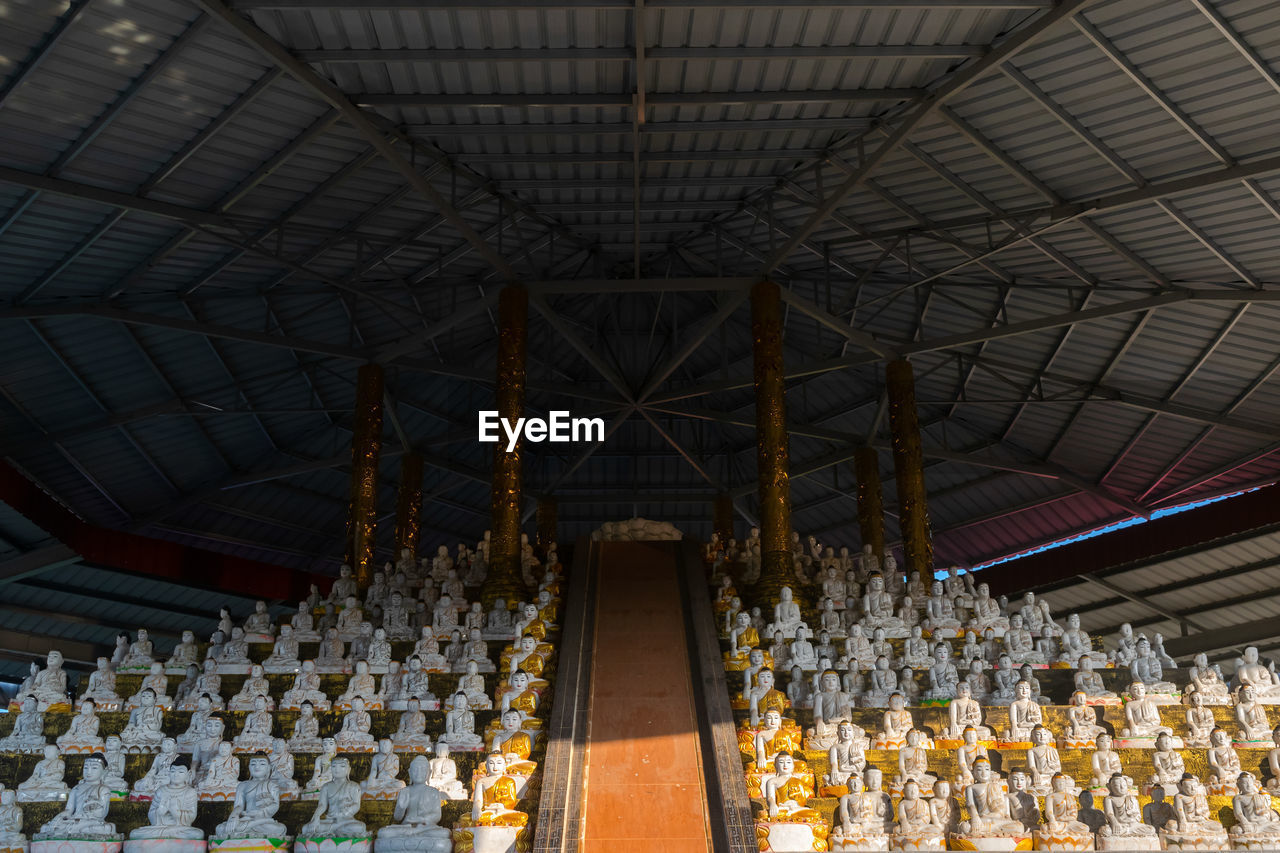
(355, 673)
(954, 678)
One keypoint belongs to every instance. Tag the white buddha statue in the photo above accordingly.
(255, 734)
(1124, 829)
(1142, 715)
(913, 761)
(1024, 714)
(306, 731)
(786, 614)
(102, 687)
(82, 734)
(858, 817)
(847, 756)
(986, 612)
(305, 688)
(964, 712)
(1224, 764)
(382, 782)
(256, 802)
(1104, 763)
(1252, 717)
(1193, 824)
(1043, 761)
(303, 625)
(27, 734)
(254, 686)
(335, 814)
(354, 735)
(943, 678)
(1089, 682)
(158, 774)
(220, 774)
(444, 774)
(460, 726)
(361, 685)
(143, 732)
(1257, 824)
(411, 734)
(284, 653)
(48, 685)
(1062, 824)
(916, 828)
(11, 837)
(320, 770)
(1082, 722)
(173, 809)
(967, 753)
(1200, 721)
(344, 587)
(988, 806)
(46, 783)
(85, 817)
(416, 819)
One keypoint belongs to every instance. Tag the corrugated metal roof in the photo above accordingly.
(523, 119)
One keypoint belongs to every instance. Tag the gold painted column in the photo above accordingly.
(409, 504)
(548, 521)
(504, 580)
(772, 455)
(908, 466)
(866, 465)
(722, 518)
(366, 442)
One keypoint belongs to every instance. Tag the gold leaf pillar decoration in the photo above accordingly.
(504, 580)
(866, 466)
(772, 455)
(908, 466)
(722, 517)
(366, 443)
(409, 504)
(548, 521)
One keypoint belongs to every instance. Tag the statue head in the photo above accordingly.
(511, 720)
(1137, 690)
(1187, 784)
(1248, 694)
(772, 719)
(1022, 690)
(872, 778)
(783, 763)
(829, 682)
(341, 769)
(1218, 737)
(844, 731)
(1039, 735)
(344, 571)
(1247, 783)
(179, 774)
(981, 770)
(495, 764)
(764, 679)
(969, 735)
(460, 702)
(147, 697)
(785, 593)
(1102, 741)
(1017, 780)
(328, 746)
(755, 657)
(95, 767)
(260, 702)
(963, 690)
(1118, 784)
(896, 702)
(913, 738)
(520, 680)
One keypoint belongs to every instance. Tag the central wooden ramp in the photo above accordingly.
(643, 780)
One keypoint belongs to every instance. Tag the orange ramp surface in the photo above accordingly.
(643, 786)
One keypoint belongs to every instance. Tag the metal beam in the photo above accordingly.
(923, 109)
(1144, 600)
(304, 74)
(679, 5)
(624, 54)
(1235, 637)
(37, 561)
(608, 99)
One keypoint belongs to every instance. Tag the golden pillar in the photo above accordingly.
(366, 442)
(776, 570)
(722, 518)
(409, 504)
(908, 466)
(504, 580)
(548, 522)
(866, 466)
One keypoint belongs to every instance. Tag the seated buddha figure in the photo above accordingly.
(1207, 681)
(895, 723)
(1200, 722)
(143, 732)
(786, 795)
(306, 731)
(847, 756)
(859, 814)
(460, 725)
(1082, 722)
(515, 744)
(254, 686)
(988, 806)
(986, 612)
(915, 821)
(775, 735)
(1224, 764)
(913, 761)
(255, 735)
(1148, 669)
(1104, 763)
(1024, 714)
(494, 798)
(519, 696)
(1167, 765)
(157, 681)
(284, 654)
(27, 734)
(742, 638)
(1124, 829)
(354, 735)
(1019, 643)
(1142, 716)
(878, 607)
(964, 712)
(82, 734)
(306, 688)
(786, 614)
(943, 678)
(1252, 717)
(831, 705)
(411, 735)
(1249, 671)
(969, 751)
(1075, 643)
(1043, 761)
(1193, 822)
(940, 613)
(45, 784)
(427, 650)
(1089, 682)
(1257, 822)
(363, 685)
(763, 696)
(1062, 815)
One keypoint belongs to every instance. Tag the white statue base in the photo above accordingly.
(488, 839)
(919, 841)
(410, 844)
(249, 845)
(1045, 840)
(233, 668)
(786, 837)
(359, 844)
(858, 843)
(75, 845)
(423, 704)
(1214, 788)
(165, 845)
(1176, 841)
(1256, 842)
(1141, 842)
(991, 842)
